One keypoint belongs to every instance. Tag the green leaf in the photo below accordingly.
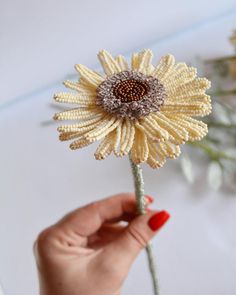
(215, 175)
(187, 168)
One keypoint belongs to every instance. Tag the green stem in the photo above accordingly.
(139, 192)
(213, 154)
(224, 93)
(221, 125)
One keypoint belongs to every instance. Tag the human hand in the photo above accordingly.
(89, 252)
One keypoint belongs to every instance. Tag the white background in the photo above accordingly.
(41, 179)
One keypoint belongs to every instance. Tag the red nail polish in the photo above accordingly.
(149, 198)
(158, 220)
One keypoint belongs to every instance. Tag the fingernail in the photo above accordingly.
(149, 199)
(158, 220)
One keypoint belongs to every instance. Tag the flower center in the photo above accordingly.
(130, 94)
(130, 90)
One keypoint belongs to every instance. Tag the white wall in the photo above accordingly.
(41, 179)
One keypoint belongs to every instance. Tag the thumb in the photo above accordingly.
(136, 236)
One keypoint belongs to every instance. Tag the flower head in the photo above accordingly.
(144, 110)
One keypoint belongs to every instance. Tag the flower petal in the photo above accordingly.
(83, 99)
(106, 146)
(135, 61)
(127, 133)
(147, 130)
(79, 113)
(177, 133)
(196, 86)
(106, 126)
(109, 64)
(78, 86)
(140, 150)
(164, 68)
(188, 98)
(70, 135)
(89, 76)
(121, 61)
(169, 149)
(144, 61)
(196, 129)
(153, 130)
(156, 158)
(82, 126)
(191, 109)
(179, 76)
(159, 152)
(80, 143)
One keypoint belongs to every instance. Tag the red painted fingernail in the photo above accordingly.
(158, 220)
(149, 198)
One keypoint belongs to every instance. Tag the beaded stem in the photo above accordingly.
(139, 192)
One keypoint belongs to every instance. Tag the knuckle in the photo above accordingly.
(140, 238)
(45, 241)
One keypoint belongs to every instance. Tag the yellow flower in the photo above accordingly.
(144, 110)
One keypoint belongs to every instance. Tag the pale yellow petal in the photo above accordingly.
(188, 99)
(156, 158)
(70, 135)
(79, 113)
(129, 140)
(159, 152)
(196, 86)
(153, 130)
(144, 61)
(103, 129)
(169, 149)
(82, 99)
(109, 64)
(164, 68)
(135, 61)
(197, 109)
(150, 69)
(177, 133)
(106, 146)
(80, 143)
(177, 69)
(121, 61)
(179, 77)
(87, 125)
(79, 87)
(153, 161)
(140, 150)
(118, 138)
(150, 133)
(89, 76)
(127, 132)
(196, 129)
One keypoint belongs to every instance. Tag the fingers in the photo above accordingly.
(87, 220)
(136, 236)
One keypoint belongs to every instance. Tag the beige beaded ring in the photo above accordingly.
(146, 110)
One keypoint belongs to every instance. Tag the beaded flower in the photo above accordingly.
(144, 110)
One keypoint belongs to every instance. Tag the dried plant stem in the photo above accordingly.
(139, 192)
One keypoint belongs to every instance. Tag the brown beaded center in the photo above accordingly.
(130, 90)
(130, 94)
